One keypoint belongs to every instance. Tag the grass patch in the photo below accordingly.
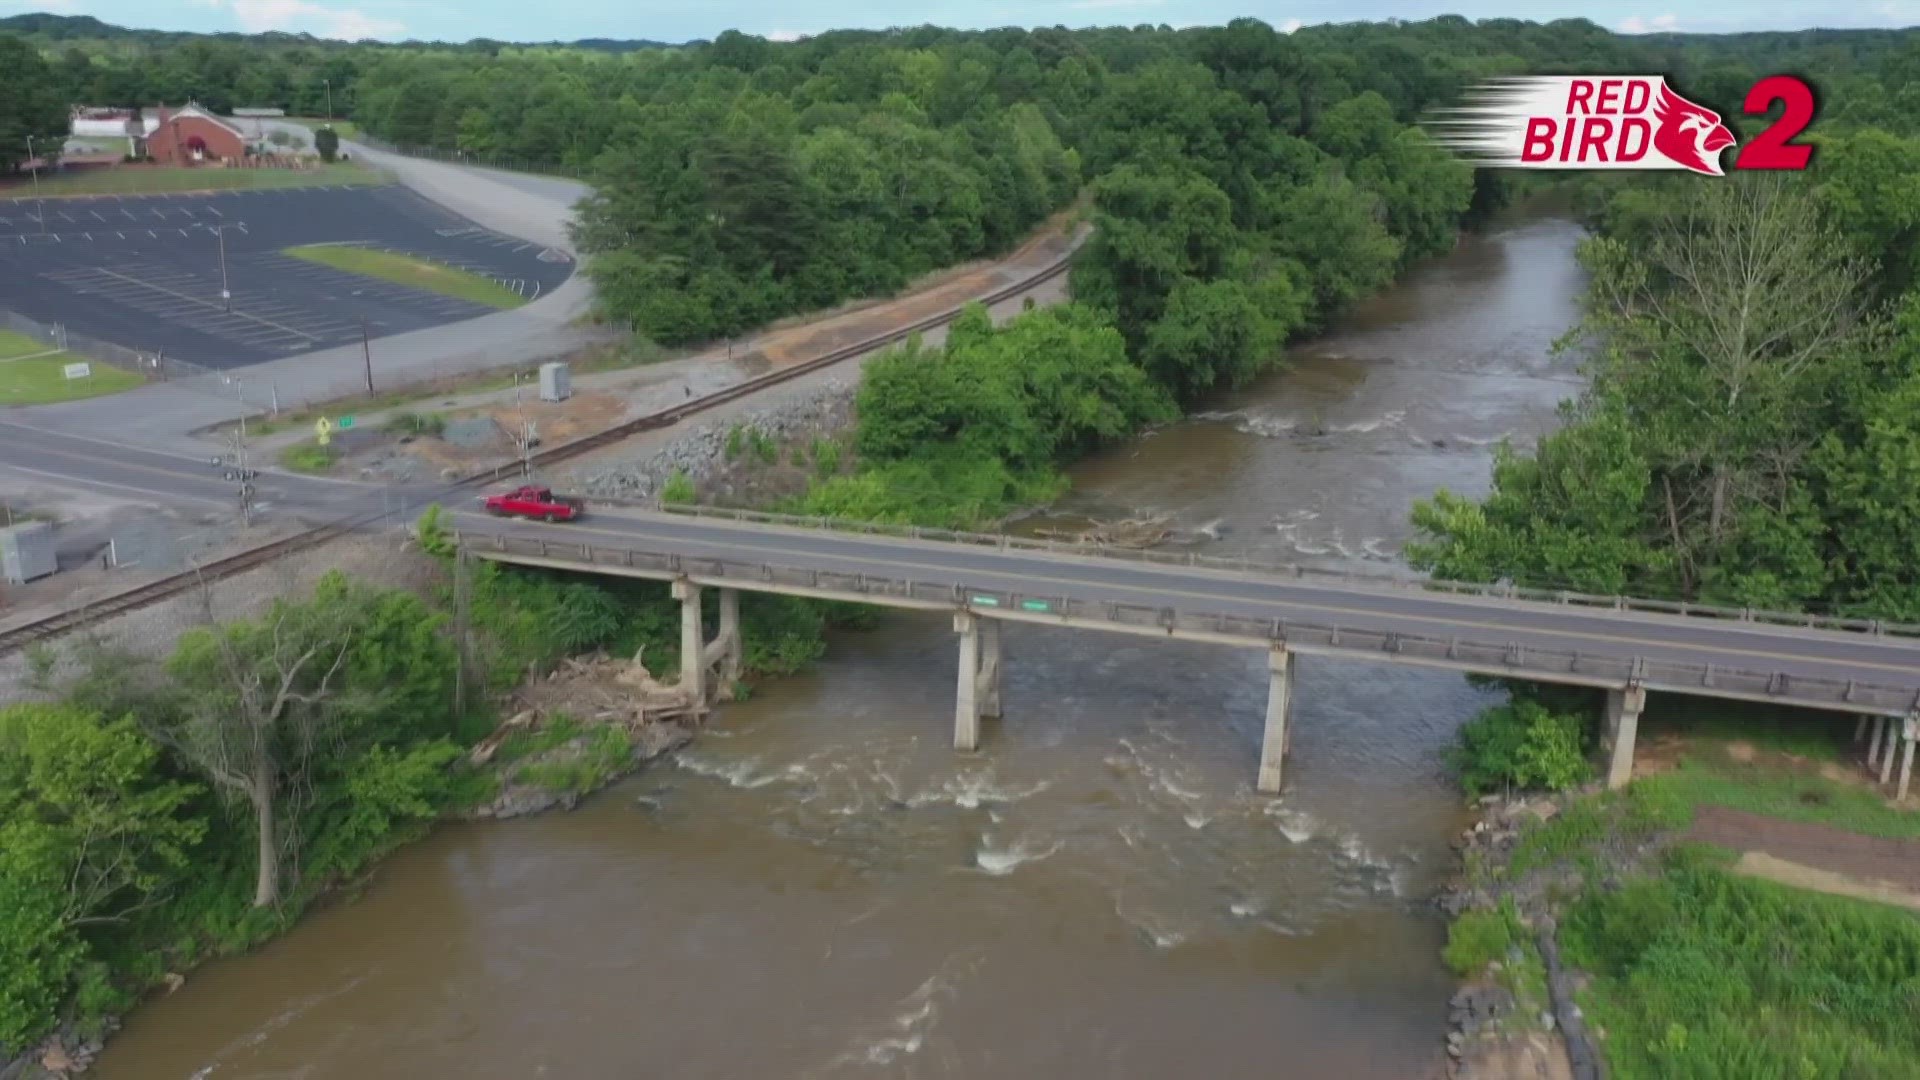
(606, 753)
(1701, 973)
(307, 457)
(410, 271)
(30, 379)
(146, 180)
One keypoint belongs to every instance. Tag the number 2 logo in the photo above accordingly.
(1771, 149)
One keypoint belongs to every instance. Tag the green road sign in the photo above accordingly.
(1036, 605)
(986, 601)
(346, 422)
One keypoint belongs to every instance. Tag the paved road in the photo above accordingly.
(535, 209)
(1796, 652)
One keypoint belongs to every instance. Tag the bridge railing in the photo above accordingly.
(1299, 571)
(1520, 661)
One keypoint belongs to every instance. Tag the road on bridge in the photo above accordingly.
(1798, 652)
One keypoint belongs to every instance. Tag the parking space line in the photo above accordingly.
(215, 212)
(203, 303)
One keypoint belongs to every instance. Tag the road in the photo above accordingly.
(1799, 653)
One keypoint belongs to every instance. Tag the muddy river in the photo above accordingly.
(822, 887)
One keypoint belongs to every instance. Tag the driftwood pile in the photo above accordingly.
(594, 690)
(1129, 533)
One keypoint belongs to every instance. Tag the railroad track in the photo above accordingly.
(155, 591)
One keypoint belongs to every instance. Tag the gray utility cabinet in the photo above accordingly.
(556, 382)
(27, 552)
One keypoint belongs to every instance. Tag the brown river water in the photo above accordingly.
(821, 887)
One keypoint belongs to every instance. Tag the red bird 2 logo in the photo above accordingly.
(1618, 122)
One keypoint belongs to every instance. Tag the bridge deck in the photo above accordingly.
(1852, 671)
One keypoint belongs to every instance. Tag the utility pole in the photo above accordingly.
(366, 350)
(240, 456)
(328, 83)
(36, 187)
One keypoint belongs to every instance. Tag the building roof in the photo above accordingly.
(166, 116)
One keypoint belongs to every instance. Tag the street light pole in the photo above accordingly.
(226, 295)
(328, 83)
(36, 187)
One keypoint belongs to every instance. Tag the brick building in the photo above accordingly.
(191, 135)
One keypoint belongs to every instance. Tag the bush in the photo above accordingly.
(826, 458)
(678, 488)
(412, 423)
(736, 438)
(307, 457)
(1521, 744)
(1480, 937)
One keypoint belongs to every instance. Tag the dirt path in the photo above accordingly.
(1815, 856)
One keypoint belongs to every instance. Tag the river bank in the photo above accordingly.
(1624, 925)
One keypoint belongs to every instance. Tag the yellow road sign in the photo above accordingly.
(323, 430)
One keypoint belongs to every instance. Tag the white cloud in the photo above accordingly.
(786, 35)
(297, 16)
(1634, 24)
(1290, 26)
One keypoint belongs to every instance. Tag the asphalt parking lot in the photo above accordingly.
(144, 272)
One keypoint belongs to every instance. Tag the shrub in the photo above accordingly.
(1521, 744)
(412, 423)
(1480, 937)
(826, 458)
(678, 488)
(307, 457)
(736, 439)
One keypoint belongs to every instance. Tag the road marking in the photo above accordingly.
(97, 215)
(204, 303)
(143, 492)
(215, 212)
(121, 235)
(1907, 669)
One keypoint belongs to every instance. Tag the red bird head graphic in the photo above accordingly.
(1688, 134)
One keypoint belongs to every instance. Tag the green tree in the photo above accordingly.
(87, 811)
(326, 143)
(30, 104)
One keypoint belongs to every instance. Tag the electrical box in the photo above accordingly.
(27, 552)
(556, 382)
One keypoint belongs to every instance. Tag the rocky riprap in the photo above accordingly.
(702, 451)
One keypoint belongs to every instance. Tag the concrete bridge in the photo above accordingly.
(1622, 646)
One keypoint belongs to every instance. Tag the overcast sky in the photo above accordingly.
(681, 20)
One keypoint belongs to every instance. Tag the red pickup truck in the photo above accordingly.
(532, 501)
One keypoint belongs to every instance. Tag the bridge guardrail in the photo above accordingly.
(1519, 661)
(1297, 571)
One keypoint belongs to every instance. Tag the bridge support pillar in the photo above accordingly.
(725, 652)
(988, 693)
(1896, 726)
(1623, 725)
(1912, 725)
(966, 702)
(1875, 738)
(1275, 737)
(693, 645)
